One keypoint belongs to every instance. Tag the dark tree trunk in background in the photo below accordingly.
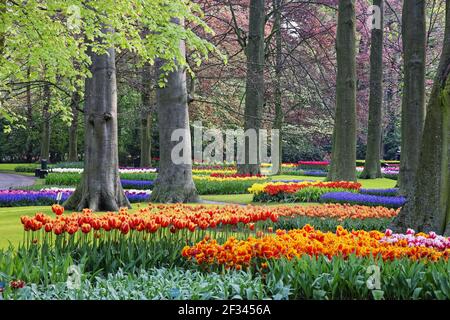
(279, 118)
(428, 208)
(343, 162)
(413, 102)
(29, 146)
(100, 188)
(45, 134)
(372, 166)
(2, 35)
(254, 92)
(146, 117)
(174, 183)
(73, 129)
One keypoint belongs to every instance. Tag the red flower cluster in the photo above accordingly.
(17, 284)
(274, 189)
(151, 219)
(235, 175)
(57, 209)
(314, 163)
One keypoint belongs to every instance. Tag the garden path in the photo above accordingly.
(8, 180)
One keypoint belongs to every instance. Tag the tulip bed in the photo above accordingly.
(183, 249)
(291, 244)
(303, 191)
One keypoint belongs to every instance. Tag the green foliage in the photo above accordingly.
(156, 284)
(231, 186)
(338, 278)
(73, 179)
(52, 37)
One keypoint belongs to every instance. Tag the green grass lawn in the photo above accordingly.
(9, 168)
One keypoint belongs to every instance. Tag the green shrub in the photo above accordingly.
(27, 168)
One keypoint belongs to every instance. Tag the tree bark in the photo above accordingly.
(29, 142)
(100, 188)
(73, 129)
(279, 117)
(413, 102)
(45, 134)
(146, 117)
(343, 162)
(254, 93)
(428, 209)
(174, 183)
(372, 166)
(2, 34)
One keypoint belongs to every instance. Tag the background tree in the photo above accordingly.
(73, 129)
(343, 163)
(174, 183)
(413, 101)
(146, 116)
(372, 166)
(428, 209)
(254, 92)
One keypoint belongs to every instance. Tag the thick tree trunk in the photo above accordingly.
(343, 163)
(413, 102)
(100, 188)
(428, 208)
(174, 183)
(146, 118)
(372, 166)
(254, 93)
(73, 129)
(279, 118)
(45, 134)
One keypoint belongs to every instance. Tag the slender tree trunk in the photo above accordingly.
(343, 162)
(174, 183)
(254, 93)
(73, 129)
(372, 166)
(413, 102)
(45, 134)
(146, 117)
(100, 188)
(2, 34)
(29, 146)
(428, 208)
(279, 117)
